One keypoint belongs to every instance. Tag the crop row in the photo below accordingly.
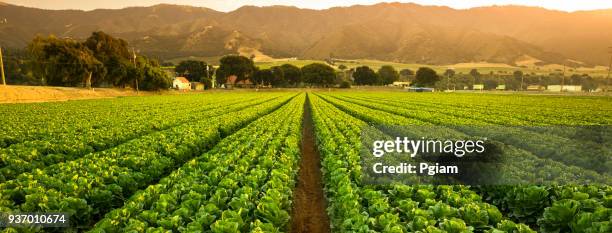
(32, 122)
(94, 184)
(575, 127)
(521, 165)
(541, 141)
(593, 205)
(355, 207)
(533, 109)
(24, 157)
(243, 184)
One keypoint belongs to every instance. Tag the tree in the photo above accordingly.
(262, 77)
(101, 59)
(406, 72)
(17, 71)
(240, 66)
(474, 73)
(114, 54)
(518, 75)
(449, 73)
(490, 84)
(318, 74)
(278, 77)
(292, 74)
(150, 75)
(194, 71)
(576, 79)
(426, 77)
(342, 67)
(588, 83)
(63, 62)
(388, 74)
(365, 76)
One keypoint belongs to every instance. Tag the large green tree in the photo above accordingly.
(100, 59)
(426, 77)
(240, 66)
(63, 62)
(365, 76)
(388, 74)
(292, 74)
(262, 77)
(150, 76)
(114, 54)
(195, 71)
(278, 77)
(318, 74)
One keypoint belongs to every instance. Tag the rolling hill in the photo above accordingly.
(400, 32)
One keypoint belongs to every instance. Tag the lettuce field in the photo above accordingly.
(236, 162)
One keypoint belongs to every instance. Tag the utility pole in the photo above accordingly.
(212, 81)
(609, 68)
(448, 80)
(134, 53)
(563, 77)
(2, 68)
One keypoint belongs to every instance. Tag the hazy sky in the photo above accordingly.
(228, 5)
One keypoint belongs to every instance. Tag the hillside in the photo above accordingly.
(397, 32)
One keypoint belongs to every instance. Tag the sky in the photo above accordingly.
(229, 5)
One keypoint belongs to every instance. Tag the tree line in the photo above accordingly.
(104, 61)
(243, 68)
(99, 61)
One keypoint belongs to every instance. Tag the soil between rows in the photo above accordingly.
(309, 203)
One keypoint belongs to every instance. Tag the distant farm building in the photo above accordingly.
(603, 88)
(181, 83)
(479, 87)
(536, 88)
(231, 82)
(500, 87)
(567, 88)
(197, 86)
(401, 84)
(420, 89)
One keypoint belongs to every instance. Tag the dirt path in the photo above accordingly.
(309, 203)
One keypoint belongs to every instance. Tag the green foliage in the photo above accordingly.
(388, 74)
(292, 74)
(195, 71)
(406, 72)
(345, 84)
(318, 74)
(365, 76)
(150, 75)
(101, 60)
(240, 66)
(63, 62)
(425, 77)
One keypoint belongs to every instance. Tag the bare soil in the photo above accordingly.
(309, 215)
(28, 94)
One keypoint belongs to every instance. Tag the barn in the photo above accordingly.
(181, 83)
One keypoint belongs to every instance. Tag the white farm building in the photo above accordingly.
(181, 83)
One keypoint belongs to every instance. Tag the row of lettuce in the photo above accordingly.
(243, 184)
(356, 207)
(574, 208)
(41, 138)
(90, 186)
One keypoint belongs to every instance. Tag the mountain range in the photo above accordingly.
(400, 32)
